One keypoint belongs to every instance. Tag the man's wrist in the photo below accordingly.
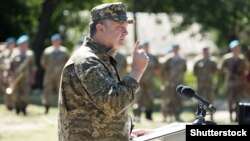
(136, 75)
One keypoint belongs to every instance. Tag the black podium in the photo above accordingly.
(244, 113)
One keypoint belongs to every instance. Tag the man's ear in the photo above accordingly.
(99, 27)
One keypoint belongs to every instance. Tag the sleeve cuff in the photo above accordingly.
(132, 83)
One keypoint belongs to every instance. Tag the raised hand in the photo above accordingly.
(140, 62)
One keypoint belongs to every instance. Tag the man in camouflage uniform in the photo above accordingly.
(53, 59)
(145, 99)
(233, 68)
(93, 101)
(205, 68)
(6, 74)
(122, 64)
(24, 68)
(174, 71)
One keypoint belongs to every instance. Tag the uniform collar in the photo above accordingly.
(99, 48)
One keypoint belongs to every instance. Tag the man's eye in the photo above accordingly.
(122, 27)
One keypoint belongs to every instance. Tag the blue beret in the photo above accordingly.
(10, 40)
(234, 44)
(169, 49)
(56, 37)
(22, 39)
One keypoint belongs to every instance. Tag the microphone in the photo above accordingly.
(188, 92)
(178, 89)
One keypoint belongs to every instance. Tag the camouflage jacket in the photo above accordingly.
(233, 67)
(17, 60)
(93, 102)
(175, 68)
(53, 60)
(205, 69)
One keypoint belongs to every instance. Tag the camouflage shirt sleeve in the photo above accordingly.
(106, 92)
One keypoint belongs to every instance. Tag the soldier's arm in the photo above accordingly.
(195, 69)
(108, 95)
(33, 69)
(44, 60)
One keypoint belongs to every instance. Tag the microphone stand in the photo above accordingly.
(200, 115)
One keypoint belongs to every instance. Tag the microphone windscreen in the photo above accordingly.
(187, 92)
(178, 89)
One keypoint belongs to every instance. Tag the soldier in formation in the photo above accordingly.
(53, 59)
(174, 71)
(24, 69)
(205, 68)
(233, 69)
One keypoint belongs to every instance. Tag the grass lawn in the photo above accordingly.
(37, 126)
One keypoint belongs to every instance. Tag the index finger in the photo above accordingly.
(136, 45)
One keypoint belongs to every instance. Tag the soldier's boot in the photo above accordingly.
(177, 116)
(149, 114)
(236, 116)
(46, 109)
(231, 116)
(10, 108)
(24, 111)
(164, 116)
(17, 110)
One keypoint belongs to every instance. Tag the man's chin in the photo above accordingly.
(120, 45)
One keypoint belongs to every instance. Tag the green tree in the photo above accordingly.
(40, 19)
(17, 17)
(228, 19)
(58, 16)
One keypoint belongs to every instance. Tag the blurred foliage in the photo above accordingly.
(225, 19)
(190, 79)
(18, 17)
(41, 18)
(228, 19)
(25, 16)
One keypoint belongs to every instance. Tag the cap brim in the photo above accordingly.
(123, 19)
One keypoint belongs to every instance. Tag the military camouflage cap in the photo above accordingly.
(114, 11)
